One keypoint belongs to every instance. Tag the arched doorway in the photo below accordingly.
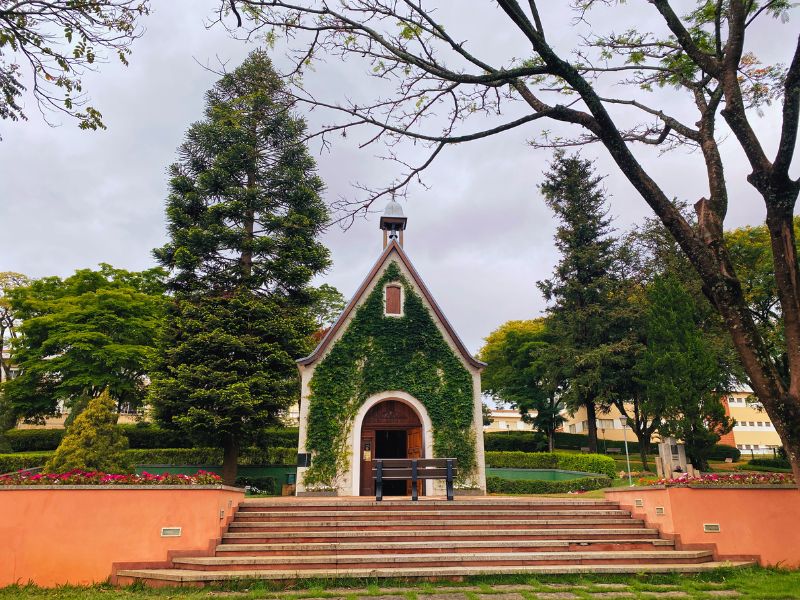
(391, 429)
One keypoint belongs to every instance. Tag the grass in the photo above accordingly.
(755, 583)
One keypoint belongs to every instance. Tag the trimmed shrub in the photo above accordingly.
(34, 440)
(213, 456)
(93, 442)
(586, 463)
(509, 441)
(752, 467)
(16, 462)
(778, 463)
(576, 441)
(142, 436)
(723, 451)
(498, 485)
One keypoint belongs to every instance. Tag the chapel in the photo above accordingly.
(390, 379)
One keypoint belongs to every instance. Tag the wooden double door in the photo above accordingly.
(391, 429)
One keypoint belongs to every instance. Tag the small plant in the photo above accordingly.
(93, 442)
(727, 479)
(80, 477)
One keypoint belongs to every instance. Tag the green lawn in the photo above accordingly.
(755, 583)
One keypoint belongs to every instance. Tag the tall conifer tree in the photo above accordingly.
(244, 214)
(580, 290)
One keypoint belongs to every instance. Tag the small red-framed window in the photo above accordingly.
(394, 300)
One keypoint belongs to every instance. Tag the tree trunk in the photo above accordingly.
(591, 416)
(644, 448)
(551, 440)
(230, 459)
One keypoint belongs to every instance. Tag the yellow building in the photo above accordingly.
(507, 419)
(610, 425)
(753, 432)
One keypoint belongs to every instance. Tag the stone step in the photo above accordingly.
(256, 515)
(245, 537)
(499, 503)
(179, 577)
(320, 548)
(439, 524)
(355, 561)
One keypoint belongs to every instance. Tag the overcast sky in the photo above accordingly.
(480, 236)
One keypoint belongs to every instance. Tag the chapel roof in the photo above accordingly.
(392, 248)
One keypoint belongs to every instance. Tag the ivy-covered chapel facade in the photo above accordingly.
(391, 379)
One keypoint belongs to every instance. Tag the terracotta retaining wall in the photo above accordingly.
(754, 522)
(81, 534)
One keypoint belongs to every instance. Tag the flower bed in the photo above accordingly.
(78, 477)
(727, 479)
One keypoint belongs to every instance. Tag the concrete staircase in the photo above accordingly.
(354, 537)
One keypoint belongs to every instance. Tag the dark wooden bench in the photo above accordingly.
(414, 470)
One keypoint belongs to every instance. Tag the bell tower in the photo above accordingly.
(393, 223)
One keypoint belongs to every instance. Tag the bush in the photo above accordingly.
(93, 442)
(586, 463)
(723, 451)
(752, 467)
(142, 436)
(34, 440)
(213, 456)
(576, 441)
(523, 441)
(498, 485)
(778, 463)
(16, 462)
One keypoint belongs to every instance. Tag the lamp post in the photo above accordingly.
(624, 422)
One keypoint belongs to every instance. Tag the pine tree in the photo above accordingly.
(93, 442)
(582, 286)
(682, 371)
(243, 216)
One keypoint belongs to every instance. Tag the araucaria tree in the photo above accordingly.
(581, 289)
(243, 215)
(713, 88)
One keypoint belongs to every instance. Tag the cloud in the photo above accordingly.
(480, 235)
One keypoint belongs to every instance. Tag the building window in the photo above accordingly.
(767, 424)
(520, 426)
(759, 423)
(572, 429)
(394, 300)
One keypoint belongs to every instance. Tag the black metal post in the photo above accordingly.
(379, 480)
(449, 478)
(414, 494)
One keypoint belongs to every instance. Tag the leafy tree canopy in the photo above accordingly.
(46, 46)
(90, 332)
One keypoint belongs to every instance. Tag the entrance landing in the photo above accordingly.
(293, 538)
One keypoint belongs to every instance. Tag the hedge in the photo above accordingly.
(778, 463)
(140, 437)
(166, 456)
(586, 463)
(498, 485)
(723, 451)
(532, 441)
(524, 441)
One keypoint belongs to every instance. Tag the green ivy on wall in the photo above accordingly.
(377, 354)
